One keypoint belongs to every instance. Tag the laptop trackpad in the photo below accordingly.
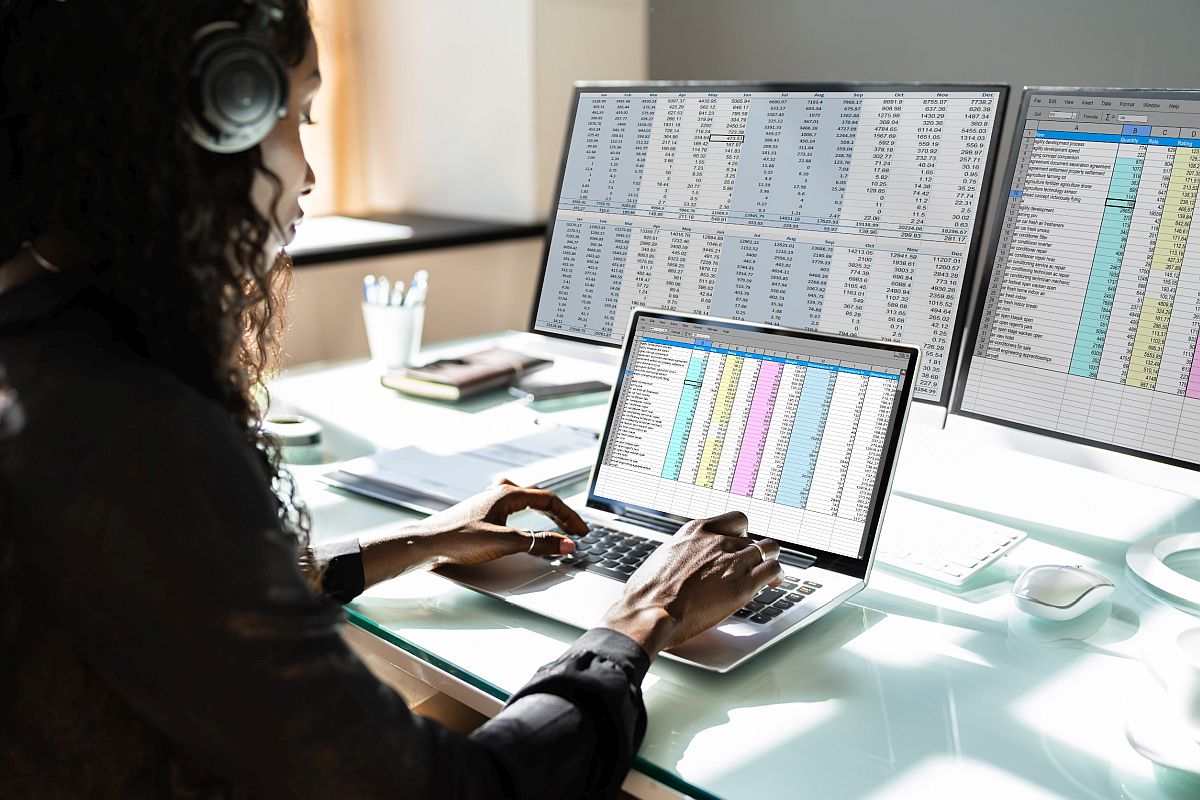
(572, 596)
(500, 576)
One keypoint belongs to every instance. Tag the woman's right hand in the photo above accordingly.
(708, 570)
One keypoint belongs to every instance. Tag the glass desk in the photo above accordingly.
(908, 691)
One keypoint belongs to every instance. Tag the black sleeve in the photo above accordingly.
(341, 569)
(185, 595)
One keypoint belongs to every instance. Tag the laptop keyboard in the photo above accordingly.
(774, 600)
(616, 554)
(608, 552)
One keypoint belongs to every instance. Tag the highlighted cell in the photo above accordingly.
(745, 474)
(722, 409)
(1177, 211)
(1148, 344)
(685, 415)
(795, 479)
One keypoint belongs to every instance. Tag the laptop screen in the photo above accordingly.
(797, 430)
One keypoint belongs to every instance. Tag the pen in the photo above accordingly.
(369, 289)
(382, 290)
(416, 292)
(397, 297)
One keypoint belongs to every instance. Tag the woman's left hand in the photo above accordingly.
(476, 530)
(472, 532)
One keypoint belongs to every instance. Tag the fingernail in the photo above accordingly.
(565, 546)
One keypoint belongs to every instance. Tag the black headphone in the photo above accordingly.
(237, 86)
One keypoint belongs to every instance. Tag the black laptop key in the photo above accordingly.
(769, 595)
(754, 605)
(814, 585)
(609, 563)
(771, 612)
(633, 560)
(795, 598)
(626, 568)
(760, 619)
(805, 589)
(742, 613)
(787, 586)
(784, 604)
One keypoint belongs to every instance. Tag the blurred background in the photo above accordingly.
(457, 109)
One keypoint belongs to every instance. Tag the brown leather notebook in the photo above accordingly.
(456, 378)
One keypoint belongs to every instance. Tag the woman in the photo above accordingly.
(160, 638)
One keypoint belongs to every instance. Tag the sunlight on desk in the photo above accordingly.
(1065, 705)
(986, 782)
(706, 758)
(912, 690)
(912, 643)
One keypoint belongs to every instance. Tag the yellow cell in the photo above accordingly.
(707, 473)
(722, 408)
(727, 390)
(1146, 357)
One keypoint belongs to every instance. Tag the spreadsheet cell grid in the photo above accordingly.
(1089, 322)
(845, 212)
(702, 426)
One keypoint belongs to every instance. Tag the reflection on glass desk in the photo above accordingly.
(911, 691)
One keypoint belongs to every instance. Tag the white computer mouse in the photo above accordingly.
(1059, 592)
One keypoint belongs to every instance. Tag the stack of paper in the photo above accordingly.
(418, 478)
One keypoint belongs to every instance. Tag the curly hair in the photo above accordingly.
(92, 98)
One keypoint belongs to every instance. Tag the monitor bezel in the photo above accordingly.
(970, 268)
(858, 567)
(988, 269)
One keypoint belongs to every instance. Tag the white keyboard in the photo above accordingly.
(939, 544)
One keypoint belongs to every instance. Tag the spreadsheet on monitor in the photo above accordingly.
(1088, 325)
(790, 431)
(851, 212)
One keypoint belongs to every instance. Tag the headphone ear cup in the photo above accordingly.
(237, 90)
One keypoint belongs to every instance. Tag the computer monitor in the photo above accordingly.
(1086, 328)
(844, 208)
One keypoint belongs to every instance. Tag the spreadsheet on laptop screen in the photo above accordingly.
(791, 431)
(1088, 325)
(850, 212)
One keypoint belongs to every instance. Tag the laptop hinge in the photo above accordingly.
(794, 559)
(651, 521)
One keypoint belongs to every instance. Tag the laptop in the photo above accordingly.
(799, 430)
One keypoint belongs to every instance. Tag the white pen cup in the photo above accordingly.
(1175, 662)
(393, 333)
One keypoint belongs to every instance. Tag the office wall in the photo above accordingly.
(473, 290)
(1089, 42)
(464, 101)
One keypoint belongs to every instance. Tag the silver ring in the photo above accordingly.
(761, 554)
